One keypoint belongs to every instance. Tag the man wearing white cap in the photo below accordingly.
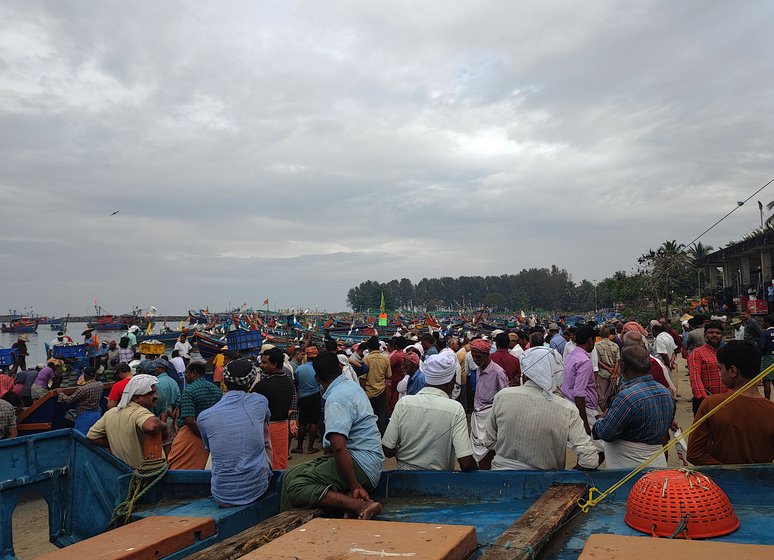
(531, 427)
(428, 431)
(119, 427)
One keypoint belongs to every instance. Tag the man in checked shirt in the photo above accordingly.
(86, 398)
(639, 417)
(703, 369)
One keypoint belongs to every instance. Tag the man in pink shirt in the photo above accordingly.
(490, 378)
(579, 385)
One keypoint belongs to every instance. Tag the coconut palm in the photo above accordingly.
(698, 251)
(770, 220)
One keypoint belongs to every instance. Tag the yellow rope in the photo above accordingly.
(592, 500)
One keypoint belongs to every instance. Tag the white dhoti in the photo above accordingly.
(478, 421)
(622, 454)
(505, 464)
(591, 416)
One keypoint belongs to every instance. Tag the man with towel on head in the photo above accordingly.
(490, 378)
(236, 432)
(123, 427)
(428, 431)
(531, 427)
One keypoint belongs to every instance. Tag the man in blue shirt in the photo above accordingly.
(416, 380)
(557, 341)
(639, 417)
(235, 430)
(309, 401)
(343, 480)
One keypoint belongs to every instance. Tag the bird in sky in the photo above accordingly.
(116, 212)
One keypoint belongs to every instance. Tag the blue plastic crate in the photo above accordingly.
(244, 340)
(7, 356)
(69, 351)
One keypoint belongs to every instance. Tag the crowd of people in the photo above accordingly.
(504, 400)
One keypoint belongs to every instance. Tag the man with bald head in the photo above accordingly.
(639, 417)
(658, 370)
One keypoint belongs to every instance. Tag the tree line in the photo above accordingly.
(663, 278)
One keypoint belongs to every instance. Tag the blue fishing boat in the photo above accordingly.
(80, 507)
(209, 345)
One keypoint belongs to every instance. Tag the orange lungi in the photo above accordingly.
(279, 444)
(188, 452)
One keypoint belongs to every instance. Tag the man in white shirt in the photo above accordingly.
(183, 348)
(60, 339)
(663, 344)
(531, 427)
(517, 342)
(427, 431)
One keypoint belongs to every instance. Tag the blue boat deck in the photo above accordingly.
(492, 501)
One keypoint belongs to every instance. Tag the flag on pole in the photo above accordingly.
(150, 328)
(266, 301)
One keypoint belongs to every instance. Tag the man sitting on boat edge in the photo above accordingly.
(341, 481)
(121, 427)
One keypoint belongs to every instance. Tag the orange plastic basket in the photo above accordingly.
(679, 503)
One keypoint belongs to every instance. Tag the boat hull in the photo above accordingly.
(489, 500)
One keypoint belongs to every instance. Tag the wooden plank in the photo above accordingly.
(33, 426)
(147, 539)
(257, 536)
(617, 547)
(358, 538)
(525, 538)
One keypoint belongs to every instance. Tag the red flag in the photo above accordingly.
(266, 301)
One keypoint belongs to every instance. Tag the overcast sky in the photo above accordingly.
(290, 150)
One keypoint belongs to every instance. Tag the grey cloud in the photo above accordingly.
(353, 141)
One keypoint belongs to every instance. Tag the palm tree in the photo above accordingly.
(698, 250)
(770, 220)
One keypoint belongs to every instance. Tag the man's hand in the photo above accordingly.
(360, 493)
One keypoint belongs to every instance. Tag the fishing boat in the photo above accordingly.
(209, 345)
(168, 338)
(503, 514)
(47, 413)
(111, 322)
(20, 325)
(108, 322)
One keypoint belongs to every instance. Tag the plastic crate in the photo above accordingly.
(69, 351)
(7, 356)
(152, 347)
(244, 340)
